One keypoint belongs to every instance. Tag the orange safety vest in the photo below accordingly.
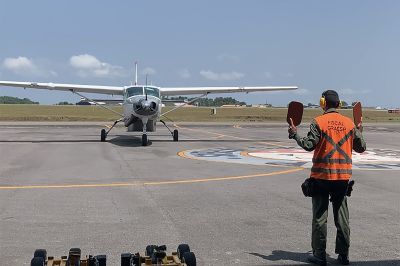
(332, 155)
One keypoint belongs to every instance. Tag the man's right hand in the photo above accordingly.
(359, 126)
(292, 130)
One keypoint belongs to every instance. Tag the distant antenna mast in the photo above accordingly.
(146, 79)
(136, 72)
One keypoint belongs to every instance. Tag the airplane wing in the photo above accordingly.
(204, 90)
(65, 87)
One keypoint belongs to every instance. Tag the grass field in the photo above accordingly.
(244, 114)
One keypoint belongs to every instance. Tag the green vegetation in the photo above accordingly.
(192, 114)
(56, 113)
(217, 102)
(64, 103)
(15, 100)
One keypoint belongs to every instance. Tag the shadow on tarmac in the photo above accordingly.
(130, 141)
(301, 257)
(49, 141)
(135, 141)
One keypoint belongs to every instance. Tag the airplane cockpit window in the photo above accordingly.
(133, 91)
(152, 91)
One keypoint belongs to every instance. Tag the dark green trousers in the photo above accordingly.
(320, 203)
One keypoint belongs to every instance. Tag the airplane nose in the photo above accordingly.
(153, 106)
(145, 107)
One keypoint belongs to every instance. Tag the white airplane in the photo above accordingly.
(141, 103)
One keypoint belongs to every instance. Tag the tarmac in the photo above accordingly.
(60, 187)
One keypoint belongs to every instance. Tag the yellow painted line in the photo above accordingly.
(155, 183)
(229, 136)
(246, 153)
(70, 186)
(224, 178)
(199, 130)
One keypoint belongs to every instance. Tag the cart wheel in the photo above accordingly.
(126, 259)
(189, 259)
(37, 261)
(41, 253)
(182, 248)
(75, 251)
(101, 260)
(150, 250)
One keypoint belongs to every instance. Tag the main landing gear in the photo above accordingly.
(175, 135)
(104, 133)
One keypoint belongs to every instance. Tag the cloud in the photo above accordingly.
(89, 66)
(208, 74)
(184, 73)
(228, 58)
(148, 71)
(26, 67)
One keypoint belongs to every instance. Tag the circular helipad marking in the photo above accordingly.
(374, 159)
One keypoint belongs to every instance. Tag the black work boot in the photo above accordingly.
(343, 259)
(317, 260)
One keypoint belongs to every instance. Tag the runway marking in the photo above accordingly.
(153, 183)
(69, 186)
(229, 136)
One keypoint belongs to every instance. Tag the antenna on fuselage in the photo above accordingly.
(136, 72)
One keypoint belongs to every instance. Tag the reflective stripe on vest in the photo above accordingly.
(332, 155)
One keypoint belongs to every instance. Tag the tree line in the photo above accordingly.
(218, 101)
(15, 100)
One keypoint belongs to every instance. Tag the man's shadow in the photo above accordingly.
(278, 255)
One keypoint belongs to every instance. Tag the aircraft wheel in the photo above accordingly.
(175, 135)
(103, 135)
(37, 261)
(144, 140)
(189, 259)
(126, 259)
(101, 260)
(182, 249)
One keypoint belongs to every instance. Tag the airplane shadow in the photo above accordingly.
(135, 141)
(301, 257)
(128, 141)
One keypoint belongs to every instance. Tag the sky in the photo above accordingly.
(349, 46)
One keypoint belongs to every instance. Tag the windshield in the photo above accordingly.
(133, 91)
(152, 91)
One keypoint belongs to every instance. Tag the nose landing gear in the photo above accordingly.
(144, 140)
